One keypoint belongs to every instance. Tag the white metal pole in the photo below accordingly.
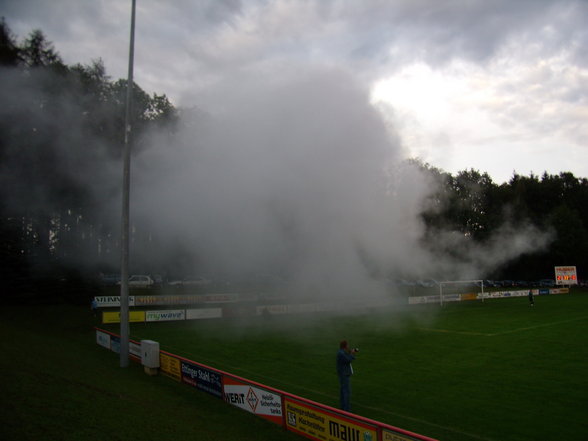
(124, 285)
(441, 293)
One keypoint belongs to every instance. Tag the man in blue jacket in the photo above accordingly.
(344, 369)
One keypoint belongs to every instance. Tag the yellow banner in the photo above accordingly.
(469, 296)
(326, 426)
(170, 366)
(114, 316)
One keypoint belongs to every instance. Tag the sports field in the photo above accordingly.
(500, 370)
(58, 384)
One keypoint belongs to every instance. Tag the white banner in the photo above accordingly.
(203, 313)
(253, 399)
(135, 349)
(165, 316)
(103, 339)
(111, 301)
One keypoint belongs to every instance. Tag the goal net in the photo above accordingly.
(453, 291)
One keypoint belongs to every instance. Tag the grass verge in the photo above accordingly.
(58, 384)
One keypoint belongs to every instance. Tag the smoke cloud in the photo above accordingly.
(300, 177)
(297, 177)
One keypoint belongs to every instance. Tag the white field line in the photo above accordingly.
(541, 326)
(439, 426)
(512, 331)
(449, 331)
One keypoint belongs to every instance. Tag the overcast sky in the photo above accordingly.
(494, 85)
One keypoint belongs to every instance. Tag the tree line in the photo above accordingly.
(62, 130)
(470, 203)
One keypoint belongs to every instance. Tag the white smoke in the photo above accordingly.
(300, 177)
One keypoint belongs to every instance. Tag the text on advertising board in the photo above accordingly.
(111, 301)
(325, 426)
(164, 316)
(201, 378)
(114, 316)
(566, 275)
(103, 339)
(253, 399)
(388, 435)
(170, 366)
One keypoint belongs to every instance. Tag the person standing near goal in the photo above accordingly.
(531, 299)
(344, 370)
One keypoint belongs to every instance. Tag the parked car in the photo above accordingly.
(190, 281)
(195, 281)
(140, 281)
(110, 279)
(547, 283)
(403, 282)
(427, 283)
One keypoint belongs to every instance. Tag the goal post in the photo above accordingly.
(460, 287)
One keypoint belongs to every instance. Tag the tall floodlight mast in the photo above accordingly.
(124, 272)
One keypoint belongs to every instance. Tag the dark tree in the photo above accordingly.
(61, 130)
(9, 50)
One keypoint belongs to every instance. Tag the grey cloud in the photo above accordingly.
(197, 42)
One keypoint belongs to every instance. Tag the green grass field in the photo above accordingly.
(57, 384)
(499, 371)
(494, 371)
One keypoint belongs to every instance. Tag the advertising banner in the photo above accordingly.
(566, 275)
(115, 344)
(235, 310)
(114, 316)
(111, 301)
(103, 339)
(170, 366)
(221, 298)
(112, 342)
(165, 315)
(388, 435)
(135, 349)
(253, 399)
(451, 297)
(204, 313)
(324, 425)
(273, 309)
(168, 300)
(202, 378)
(418, 300)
